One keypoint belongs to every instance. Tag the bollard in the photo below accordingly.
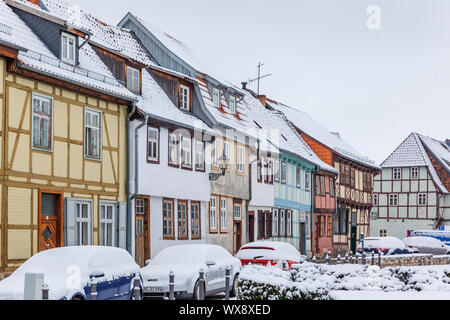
(227, 282)
(373, 258)
(171, 286)
(45, 292)
(357, 259)
(351, 258)
(346, 258)
(327, 258)
(137, 289)
(314, 259)
(363, 257)
(94, 293)
(339, 259)
(379, 258)
(201, 282)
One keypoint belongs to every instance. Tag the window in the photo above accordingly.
(283, 172)
(275, 223)
(68, 48)
(92, 133)
(195, 221)
(397, 173)
(289, 223)
(173, 149)
(107, 214)
(42, 122)
(422, 199)
(232, 104)
(183, 220)
(353, 177)
(415, 173)
(375, 199)
(265, 171)
(393, 199)
(226, 149)
(185, 101)
(277, 171)
(199, 155)
(383, 233)
(133, 80)
(282, 229)
(186, 152)
(237, 211)
(168, 219)
(331, 187)
(347, 175)
(307, 181)
(259, 171)
(223, 214)
(330, 227)
(240, 159)
(321, 226)
(298, 173)
(322, 185)
(213, 213)
(216, 153)
(270, 171)
(153, 144)
(83, 220)
(317, 185)
(216, 97)
(367, 182)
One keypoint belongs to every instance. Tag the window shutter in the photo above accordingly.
(70, 224)
(121, 224)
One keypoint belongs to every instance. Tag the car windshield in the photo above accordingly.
(180, 255)
(256, 253)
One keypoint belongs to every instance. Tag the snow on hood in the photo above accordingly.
(62, 265)
(423, 242)
(272, 250)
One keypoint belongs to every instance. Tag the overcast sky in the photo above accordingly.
(373, 86)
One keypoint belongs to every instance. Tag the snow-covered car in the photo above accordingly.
(427, 245)
(386, 245)
(68, 272)
(269, 252)
(186, 261)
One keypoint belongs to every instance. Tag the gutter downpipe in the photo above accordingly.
(250, 186)
(312, 223)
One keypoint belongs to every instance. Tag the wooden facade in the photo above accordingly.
(32, 178)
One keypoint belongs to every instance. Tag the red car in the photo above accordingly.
(269, 253)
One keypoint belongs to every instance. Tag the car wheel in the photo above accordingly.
(235, 284)
(77, 298)
(196, 294)
(132, 297)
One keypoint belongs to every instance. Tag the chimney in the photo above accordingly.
(244, 85)
(262, 98)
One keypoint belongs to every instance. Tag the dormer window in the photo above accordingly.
(185, 98)
(216, 97)
(232, 104)
(68, 48)
(133, 80)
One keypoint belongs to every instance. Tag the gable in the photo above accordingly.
(408, 154)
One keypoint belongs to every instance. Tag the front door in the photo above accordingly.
(353, 238)
(50, 220)
(142, 231)
(303, 238)
(237, 232)
(251, 226)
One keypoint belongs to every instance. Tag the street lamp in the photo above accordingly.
(223, 165)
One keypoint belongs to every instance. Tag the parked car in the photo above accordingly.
(186, 261)
(68, 272)
(386, 245)
(269, 252)
(427, 245)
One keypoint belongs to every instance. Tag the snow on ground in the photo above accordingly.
(397, 295)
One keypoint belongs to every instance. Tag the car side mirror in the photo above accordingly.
(210, 263)
(97, 274)
(147, 262)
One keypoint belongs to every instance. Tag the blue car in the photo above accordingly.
(70, 271)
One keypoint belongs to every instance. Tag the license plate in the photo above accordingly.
(153, 289)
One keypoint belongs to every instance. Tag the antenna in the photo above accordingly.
(259, 76)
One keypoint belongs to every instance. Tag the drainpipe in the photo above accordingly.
(312, 222)
(250, 185)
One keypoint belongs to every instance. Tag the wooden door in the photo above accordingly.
(142, 230)
(237, 232)
(50, 231)
(317, 234)
(251, 226)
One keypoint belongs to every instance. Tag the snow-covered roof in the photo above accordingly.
(35, 55)
(411, 153)
(315, 130)
(439, 149)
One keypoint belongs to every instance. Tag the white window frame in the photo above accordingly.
(133, 79)
(216, 97)
(393, 197)
(298, 179)
(175, 145)
(152, 141)
(73, 49)
(397, 173)
(275, 223)
(215, 153)
(80, 221)
(289, 214)
(414, 173)
(105, 221)
(186, 151)
(40, 97)
(226, 149)
(223, 214)
(308, 181)
(240, 159)
(422, 199)
(283, 164)
(237, 214)
(199, 155)
(277, 171)
(232, 104)
(87, 111)
(282, 229)
(185, 96)
(213, 213)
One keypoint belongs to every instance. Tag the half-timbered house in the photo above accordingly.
(412, 190)
(63, 141)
